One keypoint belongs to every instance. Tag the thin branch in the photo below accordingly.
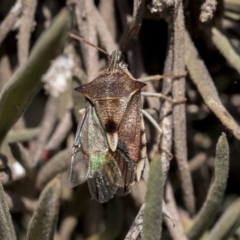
(57, 164)
(8, 22)
(176, 232)
(105, 36)
(87, 29)
(138, 7)
(26, 26)
(61, 132)
(137, 225)
(108, 14)
(207, 10)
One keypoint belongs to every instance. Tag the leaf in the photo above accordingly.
(44, 220)
(6, 226)
(152, 219)
(19, 91)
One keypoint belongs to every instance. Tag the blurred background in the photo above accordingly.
(40, 65)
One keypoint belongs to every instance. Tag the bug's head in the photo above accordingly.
(116, 61)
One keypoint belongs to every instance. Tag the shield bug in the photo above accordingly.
(110, 144)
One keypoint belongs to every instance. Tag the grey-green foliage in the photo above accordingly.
(152, 220)
(227, 224)
(26, 82)
(44, 220)
(216, 192)
(114, 221)
(6, 226)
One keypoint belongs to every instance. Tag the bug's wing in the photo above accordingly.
(127, 168)
(104, 183)
(79, 164)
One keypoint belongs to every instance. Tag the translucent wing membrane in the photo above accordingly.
(104, 183)
(79, 164)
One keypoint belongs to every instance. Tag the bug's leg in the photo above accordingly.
(141, 163)
(159, 77)
(160, 95)
(81, 111)
(160, 132)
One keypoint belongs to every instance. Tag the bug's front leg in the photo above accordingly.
(82, 111)
(159, 77)
(160, 95)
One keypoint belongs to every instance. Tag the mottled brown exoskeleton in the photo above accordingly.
(110, 145)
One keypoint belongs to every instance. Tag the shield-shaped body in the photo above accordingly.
(109, 142)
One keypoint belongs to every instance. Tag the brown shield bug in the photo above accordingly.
(110, 144)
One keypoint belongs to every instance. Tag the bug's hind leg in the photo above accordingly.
(160, 132)
(160, 95)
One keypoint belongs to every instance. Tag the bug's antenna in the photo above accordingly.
(85, 41)
(129, 35)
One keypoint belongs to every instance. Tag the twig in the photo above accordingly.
(179, 112)
(138, 7)
(5, 68)
(47, 124)
(26, 26)
(197, 161)
(225, 47)
(107, 10)
(207, 10)
(137, 225)
(176, 232)
(216, 192)
(9, 21)
(22, 135)
(18, 203)
(87, 30)
(57, 164)
(105, 36)
(22, 155)
(205, 85)
(61, 132)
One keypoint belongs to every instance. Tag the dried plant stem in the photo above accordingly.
(207, 10)
(225, 47)
(10, 19)
(87, 29)
(227, 224)
(22, 135)
(27, 21)
(47, 124)
(108, 14)
(18, 203)
(216, 192)
(61, 132)
(204, 83)
(176, 232)
(138, 7)
(57, 164)
(137, 225)
(5, 69)
(179, 112)
(106, 39)
(22, 155)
